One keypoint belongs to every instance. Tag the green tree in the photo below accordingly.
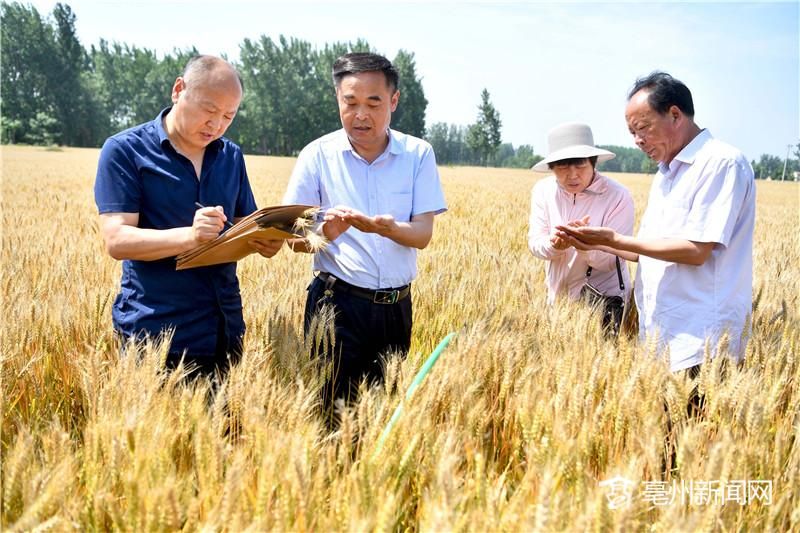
(436, 135)
(255, 122)
(48, 90)
(449, 144)
(83, 118)
(410, 114)
(43, 129)
(483, 137)
(325, 112)
(524, 157)
(279, 96)
(133, 85)
(72, 108)
(793, 164)
(9, 129)
(525, 154)
(504, 155)
(55, 91)
(457, 138)
(289, 95)
(27, 52)
(279, 77)
(768, 167)
(627, 160)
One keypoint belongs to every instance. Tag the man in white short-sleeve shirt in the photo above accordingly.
(695, 241)
(380, 191)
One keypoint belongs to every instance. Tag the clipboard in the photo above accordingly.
(277, 222)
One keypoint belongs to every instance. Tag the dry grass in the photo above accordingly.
(514, 429)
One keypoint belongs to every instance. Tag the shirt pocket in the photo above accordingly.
(400, 204)
(674, 217)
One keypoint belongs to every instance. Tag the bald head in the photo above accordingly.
(205, 99)
(204, 70)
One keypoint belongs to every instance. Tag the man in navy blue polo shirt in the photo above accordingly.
(149, 180)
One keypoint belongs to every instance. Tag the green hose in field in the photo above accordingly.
(414, 384)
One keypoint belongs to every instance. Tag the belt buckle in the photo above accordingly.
(385, 297)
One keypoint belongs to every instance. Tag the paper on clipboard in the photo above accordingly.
(269, 223)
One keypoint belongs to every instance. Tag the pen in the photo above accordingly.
(227, 222)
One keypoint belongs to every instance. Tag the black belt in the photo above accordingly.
(380, 296)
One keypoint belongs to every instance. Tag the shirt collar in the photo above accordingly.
(163, 138)
(159, 125)
(689, 151)
(394, 147)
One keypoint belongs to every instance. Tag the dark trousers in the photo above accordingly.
(228, 351)
(364, 332)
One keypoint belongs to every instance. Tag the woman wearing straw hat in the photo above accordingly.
(577, 194)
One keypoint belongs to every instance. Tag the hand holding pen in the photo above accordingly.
(218, 209)
(208, 222)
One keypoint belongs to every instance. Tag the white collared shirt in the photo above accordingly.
(706, 194)
(403, 182)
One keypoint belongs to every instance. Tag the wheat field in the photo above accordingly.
(525, 417)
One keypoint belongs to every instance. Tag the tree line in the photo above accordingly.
(451, 144)
(55, 91)
(774, 168)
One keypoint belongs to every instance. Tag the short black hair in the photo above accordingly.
(365, 62)
(665, 92)
(573, 161)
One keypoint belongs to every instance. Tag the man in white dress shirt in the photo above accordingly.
(380, 191)
(694, 247)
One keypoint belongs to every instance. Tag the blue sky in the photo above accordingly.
(543, 63)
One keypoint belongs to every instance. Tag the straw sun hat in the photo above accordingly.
(568, 141)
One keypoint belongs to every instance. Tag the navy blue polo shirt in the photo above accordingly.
(140, 172)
